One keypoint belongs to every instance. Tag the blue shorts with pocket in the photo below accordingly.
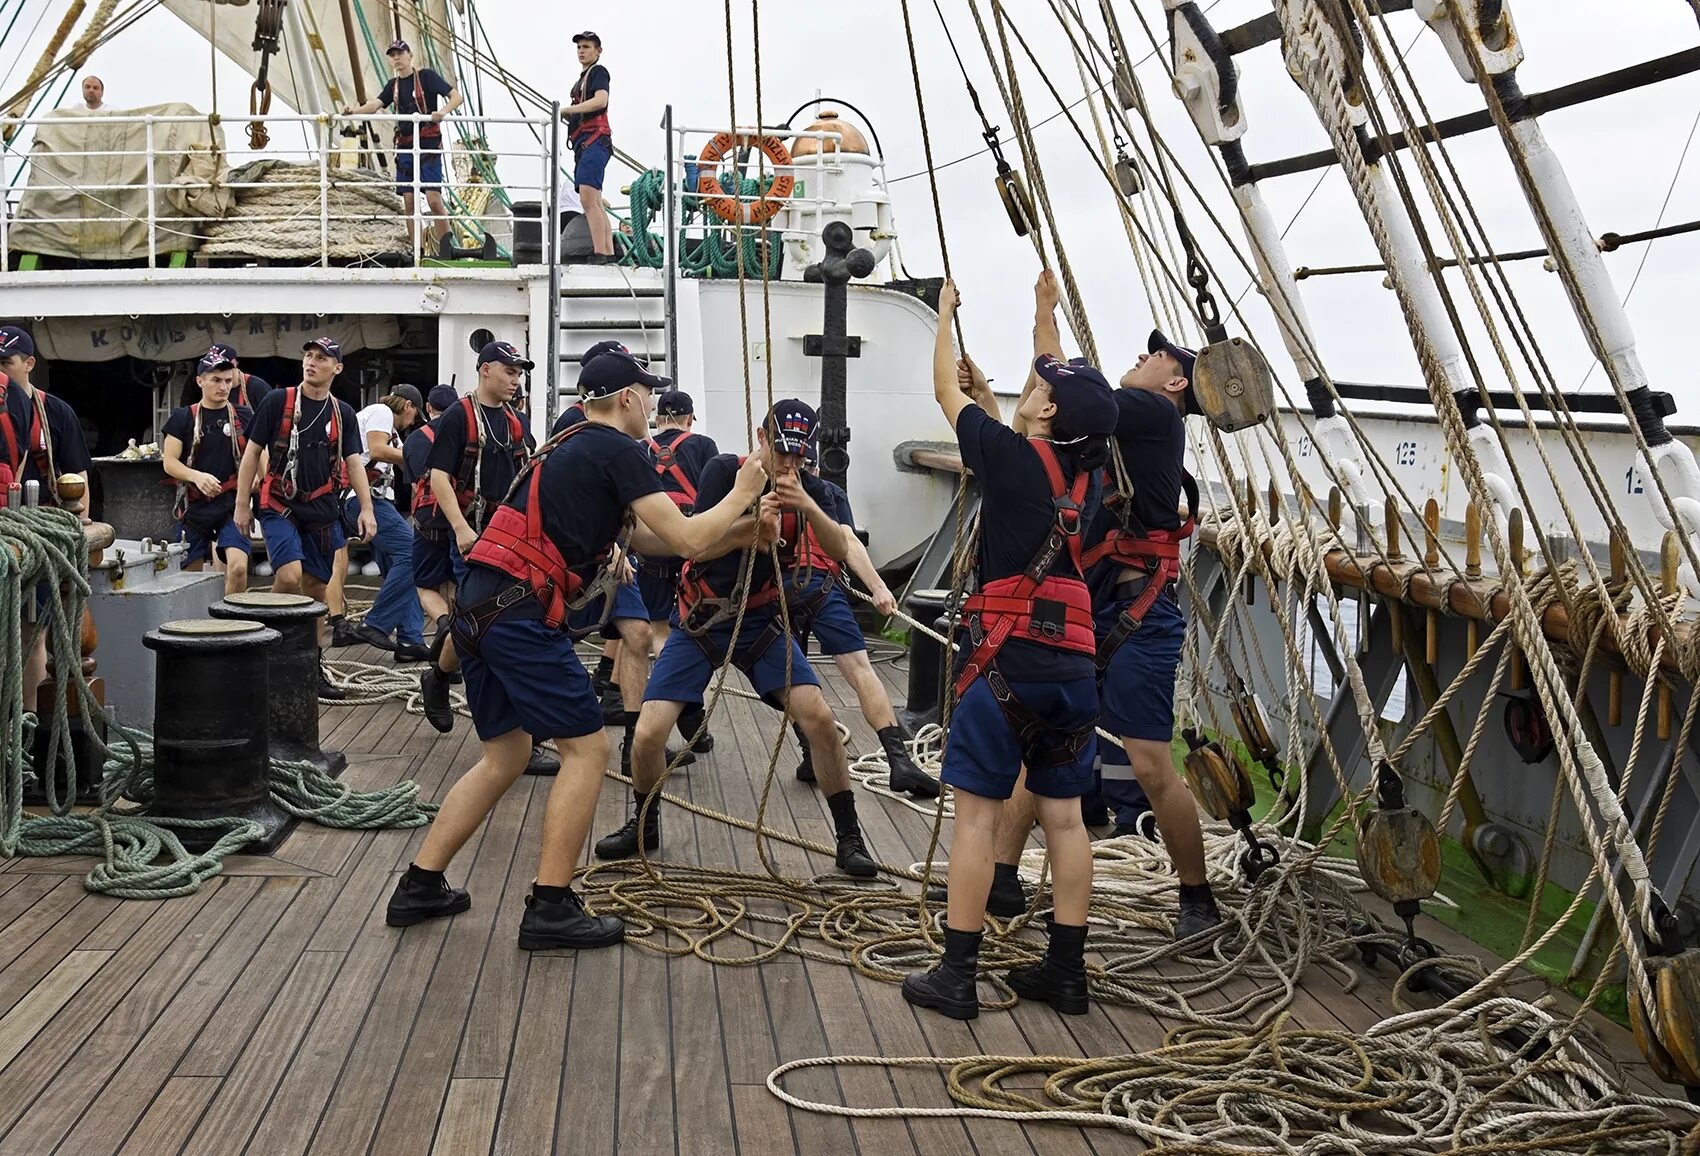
(526, 676)
(628, 604)
(204, 547)
(436, 561)
(314, 549)
(430, 170)
(834, 625)
(591, 162)
(659, 584)
(1137, 690)
(684, 668)
(982, 757)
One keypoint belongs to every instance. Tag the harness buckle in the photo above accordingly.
(1049, 619)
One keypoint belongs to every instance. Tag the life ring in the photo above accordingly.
(729, 208)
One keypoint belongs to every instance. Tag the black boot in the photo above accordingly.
(691, 727)
(434, 695)
(905, 775)
(853, 857)
(613, 706)
(544, 761)
(328, 690)
(623, 844)
(1198, 911)
(1007, 898)
(949, 987)
(604, 676)
(436, 653)
(806, 767)
(555, 917)
(421, 895)
(342, 634)
(1060, 980)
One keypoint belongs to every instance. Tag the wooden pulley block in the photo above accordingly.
(1232, 385)
(1016, 202)
(1676, 995)
(1526, 727)
(1218, 781)
(1399, 854)
(1127, 176)
(1254, 733)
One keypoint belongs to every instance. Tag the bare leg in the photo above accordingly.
(572, 806)
(631, 661)
(286, 579)
(1172, 804)
(439, 214)
(333, 599)
(970, 880)
(649, 743)
(501, 761)
(407, 209)
(235, 572)
(832, 765)
(1070, 851)
(432, 602)
(35, 670)
(870, 691)
(596, 219)
(1016, 823)
(659, 632)
(317, 590)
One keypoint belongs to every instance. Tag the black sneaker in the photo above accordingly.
(415, 902)
(1049, 982)
(434, 693)
(544, 761)
(853, 857)
(406, 652)
(565, 923)
(623, 844)
(328, 690)
(342, 634)
(370, 635)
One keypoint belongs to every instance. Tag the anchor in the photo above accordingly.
(1219, 782)
(293, 705)
(834, 344)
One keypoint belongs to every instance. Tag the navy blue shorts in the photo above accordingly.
(203, 547)
(591, 162)
(314, 549)
(430, 170)
(659, 585)
(436, 562)
(628, 604)
(684, 669)
(834, 625)
(982, 757)
(1137, 691)
(525, 676)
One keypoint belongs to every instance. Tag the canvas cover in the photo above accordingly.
(179, 338)
(71, 180)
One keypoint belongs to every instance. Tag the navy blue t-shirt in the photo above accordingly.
(218, 454)
(257, 388)
(840, 509)
(719, 477)
(1016, 515)
(588, 481)
(500, 457)
(1151, 435)
(571, 416)
(696, 452)
(403, 93)
(313, 463)
(416, 462)
(64, 437)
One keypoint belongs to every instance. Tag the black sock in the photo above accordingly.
(1198, 893)
(545, 894)
(1005, 873)
(631, 728)
(419, 875)
(604, 669)
(843, 808)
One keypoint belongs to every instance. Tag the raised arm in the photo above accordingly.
(946, 389)
(1046, 338)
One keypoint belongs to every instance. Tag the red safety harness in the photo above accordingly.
(430, 132)
(424, 501)
(516, 544)
(279, 486)
(1155, 553)
(37, 447)
(238, 443)
(469, 480)
(593, 125)
(683, 491)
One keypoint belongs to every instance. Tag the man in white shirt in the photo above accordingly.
(94, 93)
(396, 610)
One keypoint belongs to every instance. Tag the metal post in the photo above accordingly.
(324, 195)
(834, 346)
(418, 194)
(153, 207)
(669, 250)
(552, 249)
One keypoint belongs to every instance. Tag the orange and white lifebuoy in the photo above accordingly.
(729, 208)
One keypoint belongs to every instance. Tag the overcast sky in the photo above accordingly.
(1621, 154)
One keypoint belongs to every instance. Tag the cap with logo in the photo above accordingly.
(329, 346)
(608, 373)
(14, 342)
(791, 425)
(1085, 405)
(397, 46)
(213, 361)
(504, 353)
(228, 352)
(408, 393)
(442, 397)
(675, 403)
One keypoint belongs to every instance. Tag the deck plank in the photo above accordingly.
(173, 1116)
(43, 1001)
(587, 1119)
(468, 1124)
(527, 1123)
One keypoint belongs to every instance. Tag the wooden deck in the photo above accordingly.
(274, 1013)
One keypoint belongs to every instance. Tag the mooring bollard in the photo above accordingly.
(927, 659)
(211, 742)
(294, 663)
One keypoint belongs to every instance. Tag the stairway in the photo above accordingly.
(632, 314)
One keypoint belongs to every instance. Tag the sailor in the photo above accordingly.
(574, 413)
(395, 611)
(202, 444)
(710, 603)
(433, 572)
(680, 453)
(1024, 674)
(41, 440)
(546, 552)
(592, 139)
(413, 91)
(250, 389)
(312, 444)
(1133, 559)
(835, 628)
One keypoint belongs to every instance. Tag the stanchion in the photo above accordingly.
(211, 745)
(294, 663)
(927, 665)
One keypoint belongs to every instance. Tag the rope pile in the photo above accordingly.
(280, 219)
(718, 250)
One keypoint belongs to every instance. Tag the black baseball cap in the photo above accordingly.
(1085, 405)
(228, 352)
(791, 425)
(590, 36)
(14, 342)
(406, 393)
(675, 403)
(214, 360)
(398, 46)
(600, 348)
(503, 352)
(1187, 358)
(442, 397)
(608, 373)
(329, 346)
(811, 455)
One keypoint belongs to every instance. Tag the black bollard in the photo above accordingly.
(211, 754)
(927, 665)
(294, 664)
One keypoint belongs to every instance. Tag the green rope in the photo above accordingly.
(142, 857)
(711, 252)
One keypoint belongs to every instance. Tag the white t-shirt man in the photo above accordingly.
(378, 418)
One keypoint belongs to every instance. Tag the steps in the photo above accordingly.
(632, 314)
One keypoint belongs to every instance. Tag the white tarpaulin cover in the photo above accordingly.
(73, 177)
(180, 338)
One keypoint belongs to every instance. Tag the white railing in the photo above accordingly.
(537, 153)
